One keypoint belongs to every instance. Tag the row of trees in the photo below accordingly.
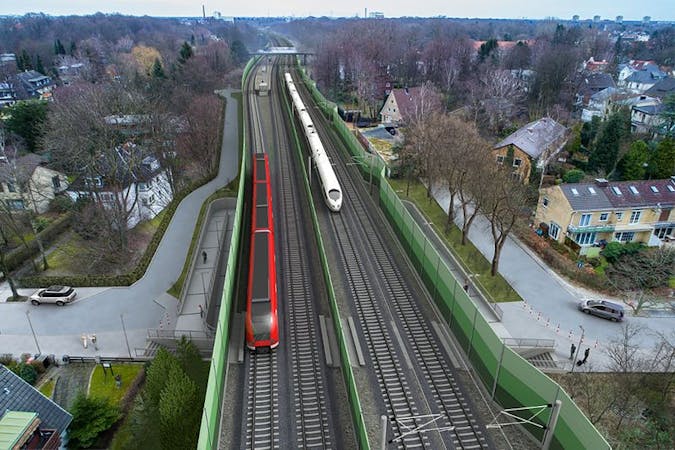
(449, 153)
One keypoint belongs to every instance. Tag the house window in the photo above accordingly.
(635, 217)
(56, 182)
(106, 196)
(604, 217)
(11, 187)
(545, 202)
(661, 233)
(585, 238)
(624, 236)
(15, 204)
(500, 159)
(619, 216)
(585, 220)
(517, 162)
(142, 186)
(554, 231)
(146, 201)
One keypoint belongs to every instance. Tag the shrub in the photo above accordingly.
(61, 204)
(614, 250)
(27, 372)
(573, 176)
(91, 417)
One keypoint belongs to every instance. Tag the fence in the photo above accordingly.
(512, 381)
(209, 430)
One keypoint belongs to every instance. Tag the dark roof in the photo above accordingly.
(645, 76)
(595, 82)
(131, 164)
(17, 395)
(662, 88)
(618, 195)
(405, 100)
(25, 166)
(535, 137)
(650, 109)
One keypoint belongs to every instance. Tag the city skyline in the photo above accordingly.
(659, 10)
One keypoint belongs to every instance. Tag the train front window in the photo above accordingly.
(334, 194)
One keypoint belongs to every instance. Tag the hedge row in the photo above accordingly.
(20, 255)
(128, 278)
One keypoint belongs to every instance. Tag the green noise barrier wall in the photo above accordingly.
(210, 424)
(512, 381)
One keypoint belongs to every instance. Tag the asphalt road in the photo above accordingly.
(143, 304)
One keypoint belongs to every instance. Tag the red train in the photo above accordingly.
(262, 325)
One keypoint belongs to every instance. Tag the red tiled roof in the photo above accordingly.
(639, 193)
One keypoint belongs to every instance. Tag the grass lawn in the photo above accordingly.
(496, 288)
(47, 389)
(150, 226)
(67, 256)
(104, 386)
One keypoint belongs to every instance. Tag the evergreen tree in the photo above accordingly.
(192, 40)
(488, 48)
(73, 48)
(91, 416)
(633, 164)
(25, 118)
(661, 163)
(605, 151)
(38, 65)
(58, 48)
(24, 61)
(179, 412)
(157, 70)
(589, 130)
(185, 53)
(668, 116)
(239, 52)
(157, 376)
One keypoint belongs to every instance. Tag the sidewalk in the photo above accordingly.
(137, 308)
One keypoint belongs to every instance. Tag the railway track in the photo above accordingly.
(366, 249)
(262, 411)
(312, 424)
(295, 413)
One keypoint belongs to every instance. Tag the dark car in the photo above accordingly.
(602, 308)
(53, 294)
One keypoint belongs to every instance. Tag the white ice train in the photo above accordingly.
(330, 188)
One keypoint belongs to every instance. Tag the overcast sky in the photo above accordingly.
(533, 9)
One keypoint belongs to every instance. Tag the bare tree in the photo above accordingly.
(506, 202)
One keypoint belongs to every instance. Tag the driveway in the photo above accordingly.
(142, 305)
(549, 310)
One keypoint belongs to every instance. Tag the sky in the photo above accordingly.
(531, 9)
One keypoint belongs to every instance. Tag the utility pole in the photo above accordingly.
(576, 355)
(33, 331)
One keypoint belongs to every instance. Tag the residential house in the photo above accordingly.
(7, 94)
(591, 213)
(32, 84)
(625, 70)
(647, 119)
(601, 104)
(127, 181)
(641, 80)
(28, 420)
(531, 146)
(662, 89)
(25, 183)
(590, 84)
(595, 66)
(400, 106)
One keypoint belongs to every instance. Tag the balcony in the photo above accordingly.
(604, 228)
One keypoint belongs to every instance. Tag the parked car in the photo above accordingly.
(602, 308)
(53, 294)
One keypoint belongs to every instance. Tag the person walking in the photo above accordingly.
(201, 311)
(573, 349)
(586, 352)
(204, 256)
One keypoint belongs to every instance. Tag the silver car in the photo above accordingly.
(602, 308)
(53, 294)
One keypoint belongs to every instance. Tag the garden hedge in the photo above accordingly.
(15, 258)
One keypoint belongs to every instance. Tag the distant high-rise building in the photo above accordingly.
(596, 18)
(646, 19)
(376, 15)
(575, 18)
(619, 19)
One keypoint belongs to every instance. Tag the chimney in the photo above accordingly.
(601, 182)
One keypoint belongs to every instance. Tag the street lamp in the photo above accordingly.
(33, 331)
(576, 355)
